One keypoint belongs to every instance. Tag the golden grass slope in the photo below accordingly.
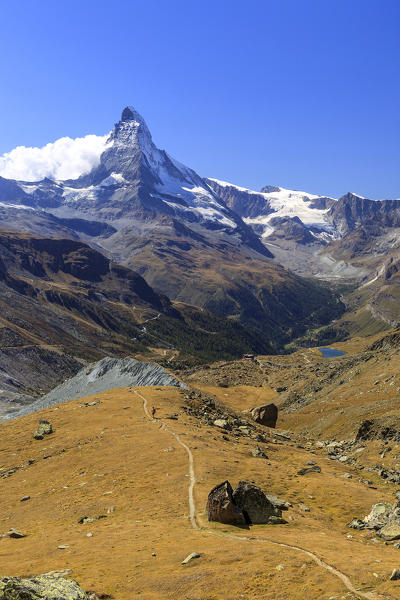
(111, 455)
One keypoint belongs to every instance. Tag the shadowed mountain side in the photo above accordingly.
(232, 282)
(61, 299)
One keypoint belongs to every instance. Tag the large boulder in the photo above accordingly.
(267, 415)
(42, 587)
(254, 504)
(384, 518)
(221, 506)
(379, 515)
(43, 429)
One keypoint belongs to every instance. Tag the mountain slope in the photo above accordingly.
(144, 209)
(352, 240)
(61, 302)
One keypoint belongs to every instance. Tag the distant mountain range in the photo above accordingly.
(259, 257)
(149, 212)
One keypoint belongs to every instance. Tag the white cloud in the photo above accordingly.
(65, 158)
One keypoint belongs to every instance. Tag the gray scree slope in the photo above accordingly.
(104, 375)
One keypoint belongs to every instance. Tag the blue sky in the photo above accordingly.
(299, 93)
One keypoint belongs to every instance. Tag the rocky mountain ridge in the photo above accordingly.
(154, 215)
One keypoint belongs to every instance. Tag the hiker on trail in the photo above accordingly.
(153, 412)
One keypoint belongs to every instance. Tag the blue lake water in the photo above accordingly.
(331, 352)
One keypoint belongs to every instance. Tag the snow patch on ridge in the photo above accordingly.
(18, 207)
(286, 203)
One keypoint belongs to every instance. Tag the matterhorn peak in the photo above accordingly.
(130, 114)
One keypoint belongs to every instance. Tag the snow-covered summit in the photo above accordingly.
(135, 183)
(262, 209)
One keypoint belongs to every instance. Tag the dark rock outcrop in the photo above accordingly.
(221, 506)
(246, 505)
(254, 504)
(378, 429)
(267, 415)
(311, 469)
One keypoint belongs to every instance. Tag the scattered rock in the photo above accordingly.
(25, 498)
(356, 524)
(221, 423)
(244, 430)
(266, 414)
(278, 502)
(313, 469)
(58, 574)
(8, 473)
(43, 429)
(384, 518)
(14, 533)
(41, 587)
(395, 575)
(379, 515)
(258, 453)
(221, 506)
(85, 519)
(390, 532)
(190, 557)
(62, 547)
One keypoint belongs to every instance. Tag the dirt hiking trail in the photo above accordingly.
(194, 523)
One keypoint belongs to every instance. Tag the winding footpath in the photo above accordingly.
(195, 525)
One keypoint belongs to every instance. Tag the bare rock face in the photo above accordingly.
(255, 505)
(42, 587)
(221, 506)
(267, 415)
